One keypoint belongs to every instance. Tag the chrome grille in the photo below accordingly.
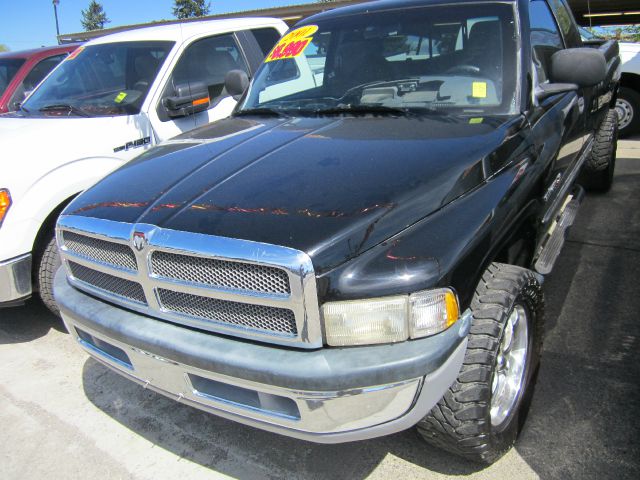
(236, 287)
(220, 273)
(112, 284)
(269, 319)
(101, 250)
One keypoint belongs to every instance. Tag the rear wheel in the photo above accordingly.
(481, 414)
(47, 265)
(628, 110)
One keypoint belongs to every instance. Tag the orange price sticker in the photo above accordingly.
(75, 53)
(293, 43)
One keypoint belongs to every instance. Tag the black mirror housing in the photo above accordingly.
(584, 67)
(236, 83)
(190, 98)
(547, 90)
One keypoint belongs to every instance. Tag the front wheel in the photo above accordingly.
(481, 414)
(597, 173)
(48, 263)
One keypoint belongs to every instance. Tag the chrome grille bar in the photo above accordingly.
(109, 283)
(107, 252)
(259, 317)
(201, 281)
(220, 273)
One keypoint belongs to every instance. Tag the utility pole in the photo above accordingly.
(55, 12)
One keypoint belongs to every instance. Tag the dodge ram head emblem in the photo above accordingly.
(139, 240)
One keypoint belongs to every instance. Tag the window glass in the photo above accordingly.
(208, 61)
(545, 37)
(266, 38)
(8, 69)
(564, 18)
(446, 58)
(33, 78)
(100, 80)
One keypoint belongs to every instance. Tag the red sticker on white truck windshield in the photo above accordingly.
(293, 43)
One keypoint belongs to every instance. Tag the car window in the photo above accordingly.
(208, 61)
(445, 58)
(266, 38)
(33, 78)
(565, 19)
(8, 69)
(101, 80)
(545, 37)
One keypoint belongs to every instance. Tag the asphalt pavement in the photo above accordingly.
(63, 415)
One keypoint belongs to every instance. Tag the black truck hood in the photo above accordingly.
(330, 186)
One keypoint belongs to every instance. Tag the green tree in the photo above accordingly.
(3, 48)
(94, 17)
(190, 8)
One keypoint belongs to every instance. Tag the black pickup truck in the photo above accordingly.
(360, 247)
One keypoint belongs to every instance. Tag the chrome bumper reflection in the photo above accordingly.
(15, 279)
(309, 413)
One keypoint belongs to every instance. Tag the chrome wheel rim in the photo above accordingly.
(511, 362)
(624, 110)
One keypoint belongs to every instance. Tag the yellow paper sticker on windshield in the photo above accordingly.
(293, 43)
(120, 97)
(476, 121)
(75, 53)
(479, 90)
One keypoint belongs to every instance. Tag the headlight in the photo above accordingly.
(389, 319)
(5, 203)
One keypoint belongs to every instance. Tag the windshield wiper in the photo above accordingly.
(263, 111)
(65, 106)
(362, 108)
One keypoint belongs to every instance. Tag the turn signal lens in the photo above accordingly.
(432, 312)
(389, 319)
(5, 203)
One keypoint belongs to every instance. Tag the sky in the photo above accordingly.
(27, 24)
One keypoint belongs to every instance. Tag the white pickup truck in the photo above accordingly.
(628, 104)
(108, 101)
(628, 101)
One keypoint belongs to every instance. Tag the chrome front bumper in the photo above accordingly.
(279, 404)
(15, 279)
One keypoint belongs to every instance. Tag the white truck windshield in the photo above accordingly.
(100, 80)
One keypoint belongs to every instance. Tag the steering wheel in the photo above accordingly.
(464, 69)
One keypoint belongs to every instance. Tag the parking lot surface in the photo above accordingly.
(63, 415)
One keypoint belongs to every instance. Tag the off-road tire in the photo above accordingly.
(47, 265)
(632, 99)
(460, 423)
(597, 173)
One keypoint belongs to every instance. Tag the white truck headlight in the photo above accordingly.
(389, 319)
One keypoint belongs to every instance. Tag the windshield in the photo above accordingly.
(8, 69)
(448, 59)
(100, 80)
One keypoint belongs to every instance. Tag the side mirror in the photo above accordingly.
(236, 83)
(547, 90)
(584, 67)
(190, 98)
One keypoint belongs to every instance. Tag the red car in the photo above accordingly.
(20, 72)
